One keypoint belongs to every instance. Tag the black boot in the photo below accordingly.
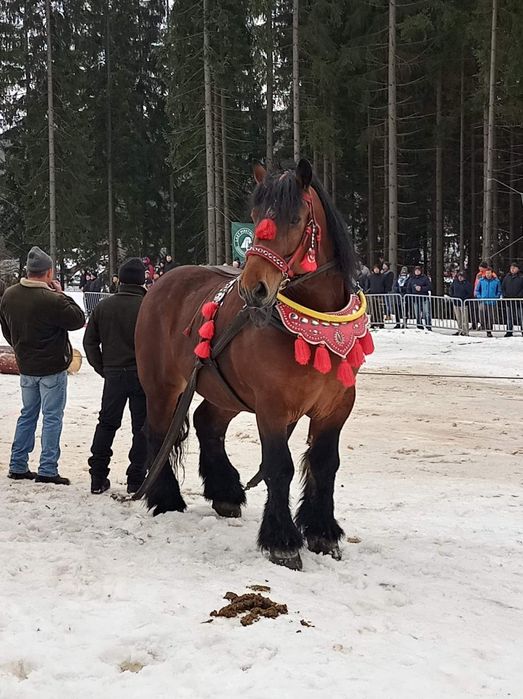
(55, 480)
(25, 476)
(99, 485)
(508, 334)
(489, 334)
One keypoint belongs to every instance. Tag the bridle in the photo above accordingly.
(305, 254)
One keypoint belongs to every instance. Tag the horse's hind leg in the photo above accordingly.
(315, 515)
(221, 481)
(164, 494)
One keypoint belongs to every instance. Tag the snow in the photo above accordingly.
(101, 599)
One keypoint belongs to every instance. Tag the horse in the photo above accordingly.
(301, 247)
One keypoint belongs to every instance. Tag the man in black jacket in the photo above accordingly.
(35, 316)
(461, 289)
(512, 288)
(420, 285)
(109, 347)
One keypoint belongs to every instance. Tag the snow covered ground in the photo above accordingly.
(100, 599)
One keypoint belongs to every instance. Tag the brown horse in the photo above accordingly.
(257, 370)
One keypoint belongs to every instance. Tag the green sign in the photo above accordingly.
(242, 236)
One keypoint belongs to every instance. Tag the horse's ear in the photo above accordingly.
(304, 173)
(259, 173)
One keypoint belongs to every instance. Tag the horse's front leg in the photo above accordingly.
(315, 516)
(278, 534)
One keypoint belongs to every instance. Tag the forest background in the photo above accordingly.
(411, 113)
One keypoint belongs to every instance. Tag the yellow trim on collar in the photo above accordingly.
(326, 316)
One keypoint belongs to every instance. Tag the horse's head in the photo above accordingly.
(286, 234)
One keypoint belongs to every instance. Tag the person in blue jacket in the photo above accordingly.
(487, 291)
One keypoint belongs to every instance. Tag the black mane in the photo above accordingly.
(281, 194)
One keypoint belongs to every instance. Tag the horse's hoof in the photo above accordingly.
(289, 559)
(318, 544)
(226, 509)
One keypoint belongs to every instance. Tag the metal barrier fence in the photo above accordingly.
(92, 299)
(493, 315)
(445, 313)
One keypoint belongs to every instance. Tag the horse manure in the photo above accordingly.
(259, 588)
(306, 623)
(354, 540)
(255, 606)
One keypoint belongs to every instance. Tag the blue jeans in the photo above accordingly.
(48, 393)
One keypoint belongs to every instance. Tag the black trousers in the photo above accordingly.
(120, 386)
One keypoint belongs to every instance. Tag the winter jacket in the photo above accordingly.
(461, 289)
(109, 336)
(35, 321)
(488, 289)
(512, 286)
(422, 281)
(376, 283)
(479, 277)
(3, 287)
(400, 286)
(169, 265)
(96, 285)
(388, 281)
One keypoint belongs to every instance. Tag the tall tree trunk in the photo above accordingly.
(371, 233)
(487, 232)
(171, 215)
(385, 241)
(218, 187)
(50, 126)
(512, 200)
(315, 160)
(325, 173)
(295, 80)
(270, 85)
(109, 143)
(393, 145)
(474, 238)
(438, 267)
(333, 176)
(462, 168)
(225, 181)
(209, 150)
(172, 246)
(485, 150)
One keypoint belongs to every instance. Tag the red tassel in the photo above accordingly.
(206, 332)
(209, 309)
(266, 229)
(203, 349)
(302, 351)
(187, 331)
(356, 356)
(309, 264)
(367, 343)
(322, 360)
(345, 374)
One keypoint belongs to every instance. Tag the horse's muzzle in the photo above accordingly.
(259, 296)
(260, 316)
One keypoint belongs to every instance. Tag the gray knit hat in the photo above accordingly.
(38, 261)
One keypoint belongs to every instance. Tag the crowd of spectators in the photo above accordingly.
(93, 282)
(386, 289)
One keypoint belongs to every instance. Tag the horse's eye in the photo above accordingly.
(295, 221)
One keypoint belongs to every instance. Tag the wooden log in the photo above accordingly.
(9, 365)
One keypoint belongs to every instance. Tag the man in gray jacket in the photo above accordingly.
(35, 316)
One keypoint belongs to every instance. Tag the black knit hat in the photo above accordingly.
(132, 272)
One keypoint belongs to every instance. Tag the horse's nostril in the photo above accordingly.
(261, 290)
